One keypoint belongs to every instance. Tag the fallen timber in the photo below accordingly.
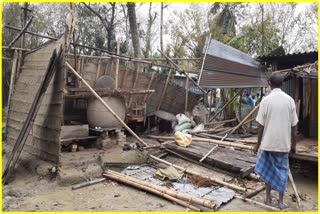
(191, 172)
(183, 196)
(237, 162)
(105, 104)
(227, 139)
(222, 143)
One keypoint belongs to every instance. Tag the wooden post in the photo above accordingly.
(187, 95)
(149, 86)
(98, 70)
(105, 104)
(165, 89)
(210, 104)
(134, 83)
(124, 77)
(117, 66)
(13, 75)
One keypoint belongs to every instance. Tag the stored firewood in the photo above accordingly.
(183, 196)
(231, 186)
(149, 189)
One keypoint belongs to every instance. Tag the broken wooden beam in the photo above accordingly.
(105, 104)
(191, 172)
(116, 79)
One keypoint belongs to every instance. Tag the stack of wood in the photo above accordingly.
(120, 136)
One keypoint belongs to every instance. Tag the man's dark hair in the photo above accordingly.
(276, 80)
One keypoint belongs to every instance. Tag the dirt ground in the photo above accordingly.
(33, 189)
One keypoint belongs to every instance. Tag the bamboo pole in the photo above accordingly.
(164, 89)
(87, 183)
(221, 122)
(224, 106)
(98, 70)
(21, 33)
(148, 189)
(295, 191)
(211, 150)
(257, 203)
(244, 119)
(222, 143)
(134, 83)
(105, 104)
(191, 172)
(13, 74)
(255, 192)
(187, 96)
(149, 86)
(117, 66)
(229, 139)
(183, 196)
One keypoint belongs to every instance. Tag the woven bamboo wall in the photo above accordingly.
(43, 139)
(173, 101)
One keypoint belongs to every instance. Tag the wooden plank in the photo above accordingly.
(238, 162)
(149, 86)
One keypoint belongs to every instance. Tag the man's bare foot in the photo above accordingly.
(282, 206)
(268, 202)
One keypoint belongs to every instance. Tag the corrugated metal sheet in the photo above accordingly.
(290, 87)
(226, 67)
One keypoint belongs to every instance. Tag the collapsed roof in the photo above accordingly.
(227, 67)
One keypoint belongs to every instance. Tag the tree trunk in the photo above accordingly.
(134, 28)
(151, 20)
(111, 36)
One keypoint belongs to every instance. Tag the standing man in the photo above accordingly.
(277, 120)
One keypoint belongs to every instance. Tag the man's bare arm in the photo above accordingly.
(260, 133)
(293, 138)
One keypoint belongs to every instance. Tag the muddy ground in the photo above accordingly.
(34, 188)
